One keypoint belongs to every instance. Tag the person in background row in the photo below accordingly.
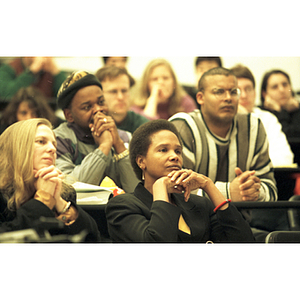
(229, 148)
(115, 82)
(202, 65)
(26, 104)
(159, 95)
(279, 148)
(89, 145)
(205, 63)
(40, 72)
(278, 97)
(120, 62)
(31, 186)
(162, 208)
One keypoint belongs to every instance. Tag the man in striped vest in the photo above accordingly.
(230, 148)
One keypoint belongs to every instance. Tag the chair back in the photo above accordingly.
(294, 215)
(283, 237)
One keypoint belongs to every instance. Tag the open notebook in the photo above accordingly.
(88, 194)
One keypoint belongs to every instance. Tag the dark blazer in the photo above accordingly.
(134, 217)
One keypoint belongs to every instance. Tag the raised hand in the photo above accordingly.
(291, 105)
(271, 104)
(50, 66)
(37, 64)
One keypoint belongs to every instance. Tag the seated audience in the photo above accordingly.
(162, 208)
(120, 62)
(279, 148)
(89, 145)
(31, 186)
(159, 95)
(278, 98)
(26, 104)
(40, 72)
(115, 83)
(229, 148)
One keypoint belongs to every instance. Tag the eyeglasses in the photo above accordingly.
(221, 93)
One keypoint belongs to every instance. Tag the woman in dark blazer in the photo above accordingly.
(162, 208)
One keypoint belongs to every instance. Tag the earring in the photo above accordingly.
(143, 176)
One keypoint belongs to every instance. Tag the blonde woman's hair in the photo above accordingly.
(16, 163)
(143, 92)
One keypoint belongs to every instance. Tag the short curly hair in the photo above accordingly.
(141, 140)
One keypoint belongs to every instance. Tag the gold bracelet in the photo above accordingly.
(121, 155)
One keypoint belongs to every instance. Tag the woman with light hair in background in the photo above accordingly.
(159, 95)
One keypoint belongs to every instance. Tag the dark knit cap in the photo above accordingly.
(73, 83)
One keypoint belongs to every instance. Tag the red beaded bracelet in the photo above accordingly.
(222, 204)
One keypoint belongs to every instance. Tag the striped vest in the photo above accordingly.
(245, 146)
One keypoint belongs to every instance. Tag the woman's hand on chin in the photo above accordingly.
(187, 181)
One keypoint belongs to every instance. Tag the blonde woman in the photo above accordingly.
(159, 95)
(30, 184)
